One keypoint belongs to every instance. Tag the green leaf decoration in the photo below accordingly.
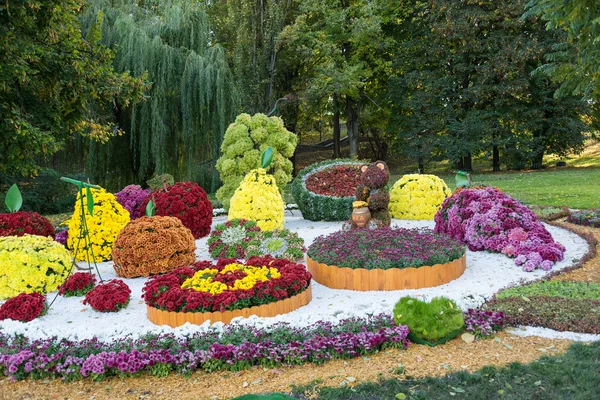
(267, 157)
(90, 200)
(150, 209)
(13, 199)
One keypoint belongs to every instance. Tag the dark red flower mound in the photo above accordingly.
(78, 284)
(25, 223)
(111, 296)
(186, 201)
(23, 307)
(337, 180)
(165, 293)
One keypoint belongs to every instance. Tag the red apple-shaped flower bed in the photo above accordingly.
(263, 286)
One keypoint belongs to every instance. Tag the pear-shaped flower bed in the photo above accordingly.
(263, 286)
(385, 259)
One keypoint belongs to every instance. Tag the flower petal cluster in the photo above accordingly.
(153, 245)
(231, 239)
(488, 219)
(111, 296)
(131, 198)
(30, 264)
(385, 248)
(24, 307)
(62, 237)
(416, 196)
(232, 277)
(186, 201)
(231, 348)
(483, 324)
(25, 223)
(585, 217)
(325, 191)
(78, 284)
(165, 292)
(279, 244)
(108, 220)
(258, 199)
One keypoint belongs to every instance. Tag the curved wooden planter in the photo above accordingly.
(389, 279)
(174, 319)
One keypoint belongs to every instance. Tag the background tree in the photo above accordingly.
(54, 83)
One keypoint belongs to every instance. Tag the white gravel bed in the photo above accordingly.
(552, 334)
(485, 275)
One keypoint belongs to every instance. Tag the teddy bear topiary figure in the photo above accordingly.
(373, 190)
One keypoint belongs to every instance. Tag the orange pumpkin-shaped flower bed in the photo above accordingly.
(153, 245)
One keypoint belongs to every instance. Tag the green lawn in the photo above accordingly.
(574, 375)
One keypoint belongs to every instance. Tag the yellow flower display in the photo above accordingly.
(258, 199)
(417, 196)
(31, 264)
(214, 281)
(103, 227)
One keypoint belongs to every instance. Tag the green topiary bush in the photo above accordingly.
(244, 141)
(429, 321)
(321, 207)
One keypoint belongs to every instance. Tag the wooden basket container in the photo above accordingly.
(389, 279)
(174, 319)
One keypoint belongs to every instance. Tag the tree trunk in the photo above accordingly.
(421, 165)
(495, 158)
(336, 127)
(468, 162)
(537, 159)
(352, 125)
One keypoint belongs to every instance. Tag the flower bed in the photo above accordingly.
(385, 259)
(111, 296)
(585, 217)
(232, 348)
(279, 244)
(231, 239)
(25, 223)
(487, 219)
(320, 199)
(226, 286)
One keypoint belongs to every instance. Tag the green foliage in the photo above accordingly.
(429, 321)
(316, 207)
(160, 181)
(272, 396)
(241, 149)
(566, 289)
(54, 83)
(573, 375)
(191, 102)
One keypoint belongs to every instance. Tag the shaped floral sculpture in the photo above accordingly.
(19, 223)
(108, 218)
(131, 198)
(258, 198)
(231, 239)
(186, 201)
(416, 196)
(487, 219)
(153, 245)
(279, 244)
(372, 190)
(242, 145)
(31, 264)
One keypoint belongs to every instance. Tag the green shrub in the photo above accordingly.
(316, 207)
(564, 289)
(242, 146)
(429, 321)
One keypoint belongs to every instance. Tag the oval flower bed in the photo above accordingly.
(263, 286)
(385, 259)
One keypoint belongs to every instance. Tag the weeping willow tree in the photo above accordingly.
(180, 126)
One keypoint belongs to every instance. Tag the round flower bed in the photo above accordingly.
(111, 296)
(416, 196)
(24, 307)
(279, 244)
(231, 239)
(488, 219)
(263, 286)
(153, 245)
(385, 259)
(325, 190)
(186, 201)
(131, 198)
(78, 284)
(586, 217)
(25, 223)
(31, 264)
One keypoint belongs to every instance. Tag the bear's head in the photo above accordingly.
(375, 175)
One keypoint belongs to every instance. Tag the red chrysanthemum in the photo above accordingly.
(111, 296)
(78, 284)
(25, 223)
(23, 307)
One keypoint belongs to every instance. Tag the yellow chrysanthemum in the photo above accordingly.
(204, 280)
(416, 196)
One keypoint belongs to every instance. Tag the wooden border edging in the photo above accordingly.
(175, 319)
(389, 279)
